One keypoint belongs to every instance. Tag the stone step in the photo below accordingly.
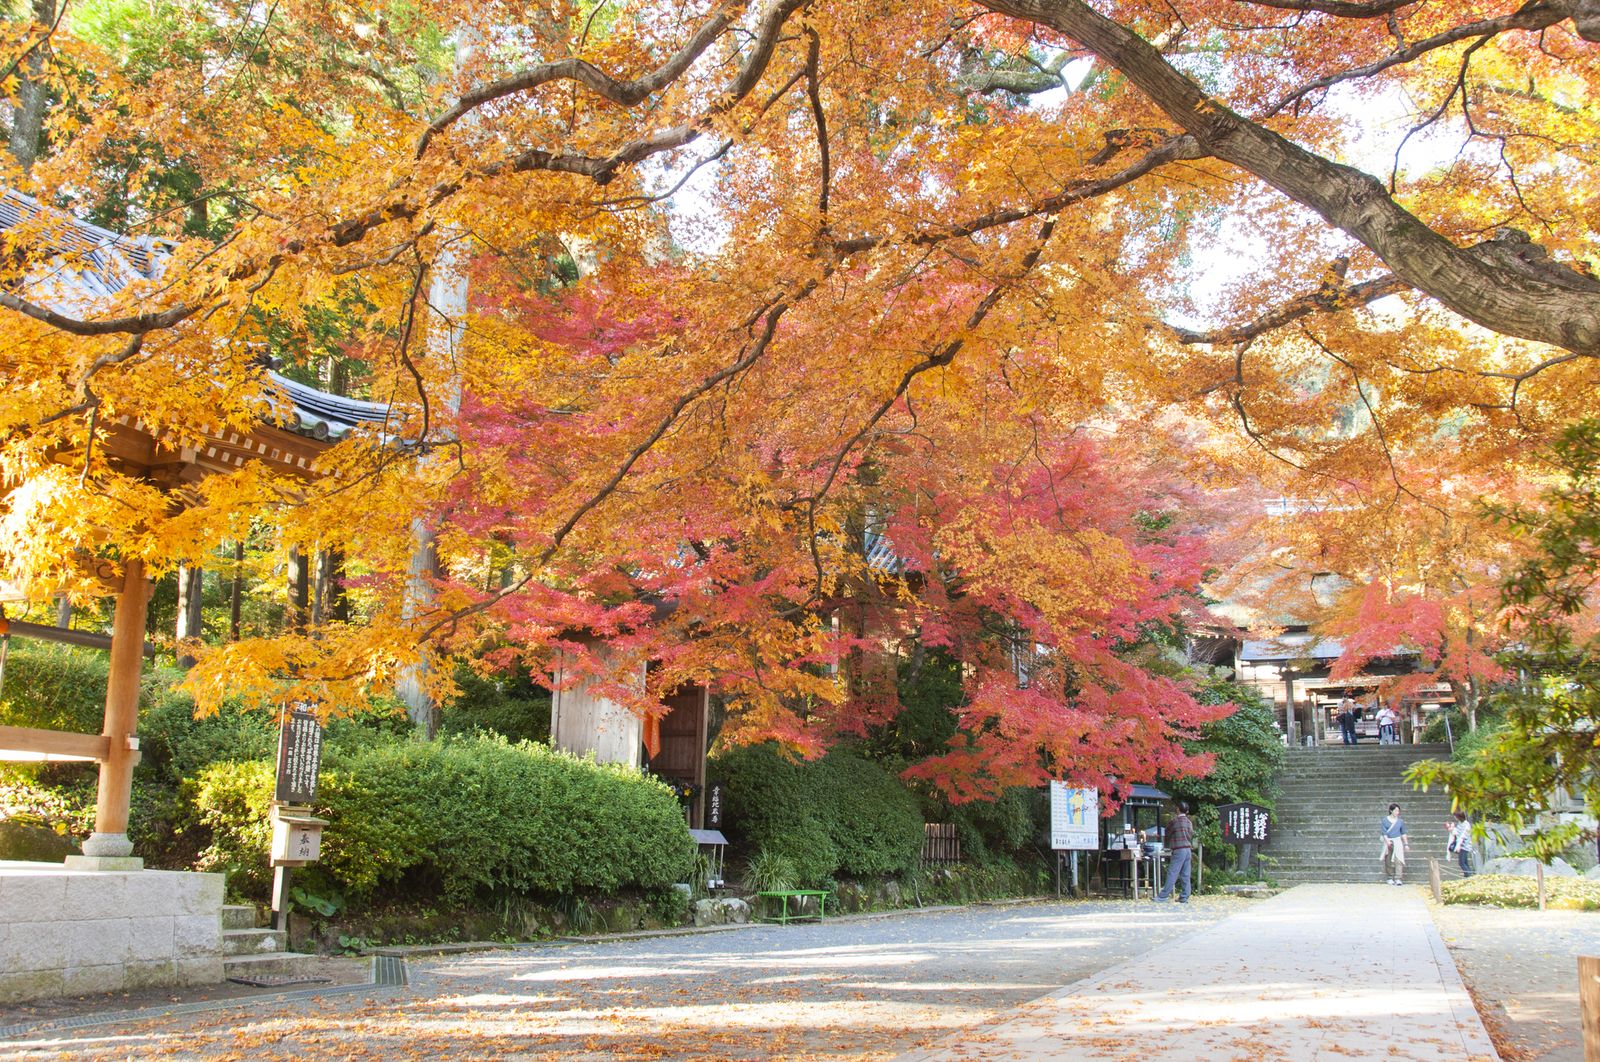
(254, 941)
(272, 966)
(240, 916)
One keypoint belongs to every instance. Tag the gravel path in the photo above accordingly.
(1522, 967)
(850, 988)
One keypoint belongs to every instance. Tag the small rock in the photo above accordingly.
(728, 910)
(1593, 874)
(734, 911)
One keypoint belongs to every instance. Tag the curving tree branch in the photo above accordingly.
(1503, 288)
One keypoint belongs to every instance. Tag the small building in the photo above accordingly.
(671, 745)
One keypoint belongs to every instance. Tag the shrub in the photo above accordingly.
(55, 687)
(1506, 890)
(510, 705)
(466, 817)
(838, 814)
(1001, 827)
(876, 825)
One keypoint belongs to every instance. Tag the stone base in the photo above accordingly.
(71, 931)
(115, 845)
(82, 862)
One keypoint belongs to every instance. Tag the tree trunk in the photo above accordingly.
(236, 592)
(64, 612)
(191, 586)
(33, 98)
(299, 589)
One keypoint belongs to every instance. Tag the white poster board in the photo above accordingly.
(1074, 818)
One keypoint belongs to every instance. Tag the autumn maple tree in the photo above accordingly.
(693, 303)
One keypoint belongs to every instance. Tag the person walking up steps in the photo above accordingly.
(1180, 842)
(1394, 846)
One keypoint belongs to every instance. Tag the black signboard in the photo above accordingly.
(299, 757)
(714, 798)
(1244, 823)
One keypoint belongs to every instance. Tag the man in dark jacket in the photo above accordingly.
(1180, 843)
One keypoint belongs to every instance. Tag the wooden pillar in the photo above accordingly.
(110, 838)
(1589, 1005)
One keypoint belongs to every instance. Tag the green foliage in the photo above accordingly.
(1247, 756)
(841, 814)
(509, 705)
(998, 828)
(20, 839)
(231, 801)
(1547, 741)
(1505, 890)
(54, 687)
(464, 817)
(768, 871)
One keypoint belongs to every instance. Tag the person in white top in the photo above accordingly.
(1387, 718)
(1459, 843)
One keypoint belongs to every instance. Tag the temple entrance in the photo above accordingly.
(1415, 711)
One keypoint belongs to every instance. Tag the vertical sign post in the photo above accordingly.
(297, 837)
(1074, 825)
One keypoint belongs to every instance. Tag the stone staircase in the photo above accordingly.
(254, 953)
(1325, 826)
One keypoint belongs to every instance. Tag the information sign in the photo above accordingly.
(299, 757)
(1244, 823)
(714, 800)
(1074, 818)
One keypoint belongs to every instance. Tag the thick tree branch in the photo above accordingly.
(137, 324)
(1546, 303)
(1339, 8)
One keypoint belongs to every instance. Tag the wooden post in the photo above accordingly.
(280, 898)
(1538, 875)
(110, 838)
(1589, 1005)
(1433, 880)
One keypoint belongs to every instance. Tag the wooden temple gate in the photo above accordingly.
(304, 423)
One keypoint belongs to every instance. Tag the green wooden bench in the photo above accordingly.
(783, 896)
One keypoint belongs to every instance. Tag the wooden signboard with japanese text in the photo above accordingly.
(1244, 823)
(299, 757)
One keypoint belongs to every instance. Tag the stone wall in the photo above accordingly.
(77, 932)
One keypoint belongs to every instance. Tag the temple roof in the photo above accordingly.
(90, 265)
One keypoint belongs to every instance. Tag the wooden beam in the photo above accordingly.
(67, 636)
(53, 744)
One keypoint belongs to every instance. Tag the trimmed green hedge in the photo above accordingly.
(837, 816)
(463, 817)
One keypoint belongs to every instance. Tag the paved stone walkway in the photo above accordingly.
(848, 989)
(1320, 972)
